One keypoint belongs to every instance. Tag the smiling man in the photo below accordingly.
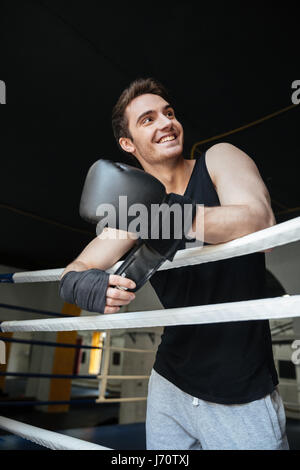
(212, 386)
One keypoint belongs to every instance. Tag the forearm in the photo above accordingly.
(85, 281)
(76, 265)
(224, 223)
(102, 252)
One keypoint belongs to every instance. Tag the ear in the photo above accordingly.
(127, 144)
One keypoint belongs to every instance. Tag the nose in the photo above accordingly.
(163, 122)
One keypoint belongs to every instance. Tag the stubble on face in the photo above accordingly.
(151, 119)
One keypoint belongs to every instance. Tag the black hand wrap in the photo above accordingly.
(140, 264)
(179, 225)
(145, 259)
(86, 289)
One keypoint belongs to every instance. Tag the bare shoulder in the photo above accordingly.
(227, 157)
(225, 150)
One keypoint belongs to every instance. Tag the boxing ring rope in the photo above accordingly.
(280, 234)
(32, 310)
(74, 346)
(261, 309)
(103, 377)
(51, 440)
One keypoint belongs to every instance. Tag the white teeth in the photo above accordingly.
(166, 139)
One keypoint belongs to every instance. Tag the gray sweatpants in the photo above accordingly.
(178, 421)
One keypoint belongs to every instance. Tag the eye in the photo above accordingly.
(146, 119)
(171, 113)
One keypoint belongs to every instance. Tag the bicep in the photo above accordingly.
(236, 178)
(105, 250)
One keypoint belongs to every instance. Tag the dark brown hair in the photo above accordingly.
(136, 88)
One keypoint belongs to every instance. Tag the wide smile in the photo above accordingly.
(168, 139)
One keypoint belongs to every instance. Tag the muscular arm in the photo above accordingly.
(245, 201)
(102, 252)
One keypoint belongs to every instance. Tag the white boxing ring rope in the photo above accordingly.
(280, 234)
(51, 440)
(261, 309)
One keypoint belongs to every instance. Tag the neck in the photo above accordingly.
(174, 174)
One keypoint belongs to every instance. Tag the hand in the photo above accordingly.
(139, 187)
(117, 297)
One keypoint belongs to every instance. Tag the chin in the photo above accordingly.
(175, 152)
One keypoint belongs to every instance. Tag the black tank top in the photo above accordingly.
(227, 363)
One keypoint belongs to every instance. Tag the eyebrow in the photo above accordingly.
(151, 111)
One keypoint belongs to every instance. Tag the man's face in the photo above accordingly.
(156, 133)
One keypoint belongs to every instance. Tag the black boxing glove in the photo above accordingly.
(146, 258)
(87, 289)
(106, 181)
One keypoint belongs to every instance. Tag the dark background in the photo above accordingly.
(66, 62)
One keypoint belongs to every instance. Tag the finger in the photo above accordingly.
(111, 309)
(115, 280)
(118, 294)
(116, 302)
